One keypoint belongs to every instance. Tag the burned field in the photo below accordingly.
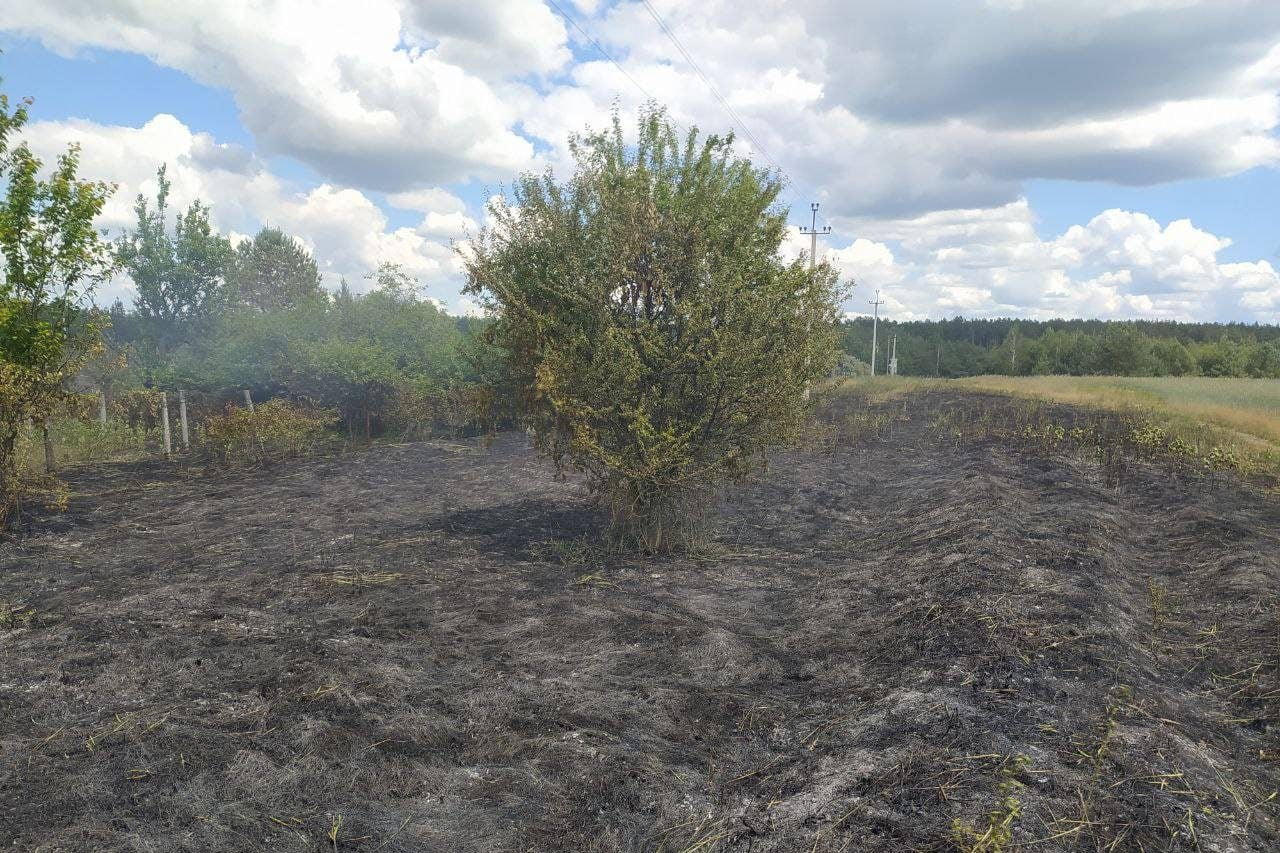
(910, 638)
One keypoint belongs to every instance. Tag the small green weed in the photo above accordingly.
(997, 833)
(14, 615)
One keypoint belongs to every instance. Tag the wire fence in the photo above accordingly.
(128, 425)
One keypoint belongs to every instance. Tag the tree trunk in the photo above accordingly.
(48, 447)
(8, 474)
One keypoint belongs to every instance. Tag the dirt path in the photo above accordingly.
(423, 641)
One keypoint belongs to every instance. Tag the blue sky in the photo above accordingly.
(986, 157)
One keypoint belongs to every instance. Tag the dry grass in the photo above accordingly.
(1239, 418)
(1247, 406)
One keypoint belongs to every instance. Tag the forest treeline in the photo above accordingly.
(973, 347)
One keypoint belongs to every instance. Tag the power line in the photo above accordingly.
(598, 47)
(715, 92)
(653, 13)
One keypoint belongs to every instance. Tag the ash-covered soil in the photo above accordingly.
(422, 647)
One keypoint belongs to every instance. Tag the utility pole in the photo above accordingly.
(813, 232)
(893, 359)
(875, 322)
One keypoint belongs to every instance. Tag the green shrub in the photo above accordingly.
(419, 408)
(653, 335)
(276, 430)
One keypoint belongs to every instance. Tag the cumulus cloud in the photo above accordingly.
(890, 109)
(347, 232)
(1035, 63)
(383, 96)
(898, 109)
(916, 123)
(1121, 264)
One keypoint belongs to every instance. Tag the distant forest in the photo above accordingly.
(962, 347)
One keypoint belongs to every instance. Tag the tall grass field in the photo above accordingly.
(1248, 406)
(1236, 419)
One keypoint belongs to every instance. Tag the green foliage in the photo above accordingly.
(961, 347)
(355, 376)
(53, 257)
(420, 407)
(180, 277)
(652, 334)
(273, 271)
(996, 834)
(275, 430)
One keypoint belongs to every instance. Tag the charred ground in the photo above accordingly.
(422, 647)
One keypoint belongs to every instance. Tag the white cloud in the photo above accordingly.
(1121, 264)
(916, 123)
(891, 109)
(347, 232)
(428, 198)
(384, 96)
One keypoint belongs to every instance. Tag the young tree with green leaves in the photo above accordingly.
(274, 271)
(655, 336)
(181, 278)
(53, 257)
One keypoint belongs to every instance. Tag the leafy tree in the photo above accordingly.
(180, 277)
(1172, 358)
(656, 339)
(395, 283)
(53, 256)
(274, 271)
(1124, 351)
(356, 377)
(1218, 358)
(1262, 360)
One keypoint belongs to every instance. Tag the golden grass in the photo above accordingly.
(1238, 416)
(880, 388)
(1247, 406)
(1241, 415)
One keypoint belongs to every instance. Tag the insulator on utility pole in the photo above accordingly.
(814, 231)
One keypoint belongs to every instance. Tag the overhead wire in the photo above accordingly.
(697, 69)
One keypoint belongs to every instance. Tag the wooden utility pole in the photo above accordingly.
(813, 231)
(875, 323)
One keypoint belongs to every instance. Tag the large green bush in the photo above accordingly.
(654, 336)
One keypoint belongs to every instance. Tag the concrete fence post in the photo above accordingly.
(182, 416)
(48, 447)
(102, 406)
(248, 400)
(164, 420)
